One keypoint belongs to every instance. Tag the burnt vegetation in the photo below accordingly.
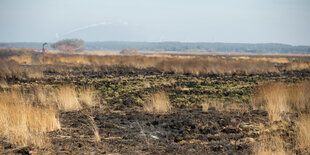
(157, 104)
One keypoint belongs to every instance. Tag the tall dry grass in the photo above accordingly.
(43, 95)
(67, 99)
(4, 84)
(176, 64)
(94, 128)
(6, 52)
(299, 66)
(158, 103)
(272, 97)
(215, 104)
(11, 69)
(279, 60)
(200, 65)
(303, 128)
(88, 96)
(278, 99)
(22, 122)
(26, 117)
(298, 97)
(270, 145)
(24, 59)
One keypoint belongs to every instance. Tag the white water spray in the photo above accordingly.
(58, 35)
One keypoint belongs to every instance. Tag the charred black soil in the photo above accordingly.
(183, 131)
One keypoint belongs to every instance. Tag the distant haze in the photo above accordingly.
(236, 21)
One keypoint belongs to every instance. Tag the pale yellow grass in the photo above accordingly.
(88, 97)
(270, 145)
(44, 95)
(10, 69)
(279, 98)
(4, 84)
(99, 53)
(34, 73)
(299, 97)
(22, 123)
(165, 63)
(303, 129)
(298, 66)
(94, 128)
(205, 107)
(272, 60)
(159, 103)
(238, 107)
(22, 59)
(67, 99)
(272, 97)
(216, 104)
(241, 58)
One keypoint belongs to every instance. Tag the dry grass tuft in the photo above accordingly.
(67, 99)
(272, 60)
(23, 123)
(278, 98)
(299, 97)
(44, 96)
(4, 84)
(272, 97)
(214, 104)
(94, 128)
(33, 73)
(24, 59)
(205, 107)
(9, 69)
(298, 66)
(270, 145)
(159, 103)
(88, 97)
(303, 128)
(200, 66)
(240, 108)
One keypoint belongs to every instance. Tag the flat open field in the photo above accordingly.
(74, 104)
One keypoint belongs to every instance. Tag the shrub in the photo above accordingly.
(127, 51)
(69, 45)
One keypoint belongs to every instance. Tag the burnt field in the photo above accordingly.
(71, 104)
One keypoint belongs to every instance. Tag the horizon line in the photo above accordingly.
(166, 42)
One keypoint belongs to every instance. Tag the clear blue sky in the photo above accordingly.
(235, 21)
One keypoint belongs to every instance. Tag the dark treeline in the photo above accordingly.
(180, 46)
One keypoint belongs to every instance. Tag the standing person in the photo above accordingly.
(44, 51)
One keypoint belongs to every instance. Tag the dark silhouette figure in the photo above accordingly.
(44, 51)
